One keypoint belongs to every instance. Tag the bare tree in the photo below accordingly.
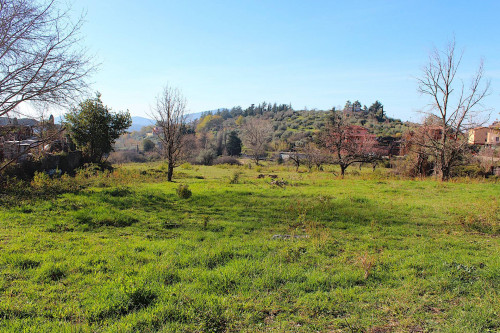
(456, 106)
(296, 157)
(256, 135)
(41, 60)
(170, 117)
(314, 156)
(348, 143)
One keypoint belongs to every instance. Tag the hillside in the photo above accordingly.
(289, 126)
(287, 121)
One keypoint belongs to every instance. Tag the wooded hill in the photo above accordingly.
(287, 122)
(289, 126)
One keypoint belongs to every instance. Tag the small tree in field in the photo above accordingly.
(94, 129)
(169, 114)
(314, 156)
(148, 145)
(456, 106)
(347, 143)
(256, 135)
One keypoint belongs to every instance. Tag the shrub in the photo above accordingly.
(206, 157)
(126, 156)
(226, 160)
(235, 178)
(148, 145)
(183, 191)
(472, 171)
(41, 181)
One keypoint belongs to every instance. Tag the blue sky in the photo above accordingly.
(314, 54)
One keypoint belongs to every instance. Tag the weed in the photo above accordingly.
(169, 225)
(462, 273)
(141, 297)
(183, 191)
(119, 192)
(186, 166)
(25, 263)
(52, 273)
(212, 318)
(367, 262)
(235, 178)
(206, 219)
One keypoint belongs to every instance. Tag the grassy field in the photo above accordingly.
(368, 253)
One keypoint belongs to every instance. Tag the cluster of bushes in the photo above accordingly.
(209, 157)
(64, 162)
(413, 165)
(46, 184)
(133, 156)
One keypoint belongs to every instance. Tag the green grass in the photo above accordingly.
(368, 253)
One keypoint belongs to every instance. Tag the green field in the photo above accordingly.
(121, 252)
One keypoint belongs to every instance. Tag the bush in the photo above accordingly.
(235, 178)
(471, 171)
(184, 192)
(206, 157)
(226, 160)
(41, 181)
(148, 145)
(126, 156)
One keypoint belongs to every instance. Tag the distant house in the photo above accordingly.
(359, 134)
(489, 136)
(18, 136)
(11, 149)
(285, 155)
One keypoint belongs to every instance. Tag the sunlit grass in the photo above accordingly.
(365, 253)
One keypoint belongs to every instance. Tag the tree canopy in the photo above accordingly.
(94, 129)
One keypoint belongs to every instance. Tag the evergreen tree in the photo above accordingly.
(233, 145)
(94, 129)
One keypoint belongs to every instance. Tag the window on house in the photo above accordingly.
(498, 138)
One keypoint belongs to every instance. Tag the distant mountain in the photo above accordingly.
(194, 116)
(140, 122)
(16, 121)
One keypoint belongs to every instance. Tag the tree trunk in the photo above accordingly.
(170, 171)
(342, 170)
(445, 173)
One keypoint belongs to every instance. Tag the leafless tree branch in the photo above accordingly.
(41, 60)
